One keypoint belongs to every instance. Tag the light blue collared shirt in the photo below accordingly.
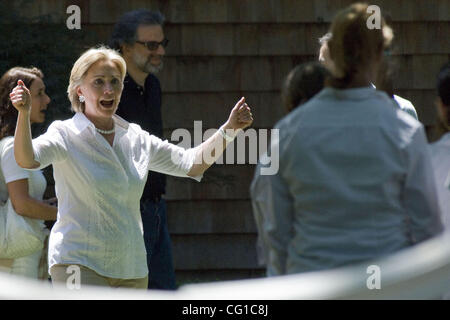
(355, 182)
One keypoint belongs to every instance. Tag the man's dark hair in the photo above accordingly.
(125, 29)
(443, 84)
(302, 83)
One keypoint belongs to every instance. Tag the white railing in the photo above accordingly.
(420, 272)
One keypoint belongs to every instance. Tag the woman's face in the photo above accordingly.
(101, 87)
(39, 101)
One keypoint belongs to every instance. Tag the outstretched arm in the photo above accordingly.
(210, 150)
(23, 148)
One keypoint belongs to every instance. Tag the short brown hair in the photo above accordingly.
(8, 113)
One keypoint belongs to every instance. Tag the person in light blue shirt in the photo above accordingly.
(301, 84)
(440, 150)
(355, 179)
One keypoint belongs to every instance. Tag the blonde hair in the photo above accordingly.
(353, 45)
(81, 67)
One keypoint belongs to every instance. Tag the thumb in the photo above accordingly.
(239, 103)
(20, 83)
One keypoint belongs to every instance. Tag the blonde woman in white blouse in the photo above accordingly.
(25, 189)
(100, 164)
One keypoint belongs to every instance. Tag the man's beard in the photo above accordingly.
(146, 66)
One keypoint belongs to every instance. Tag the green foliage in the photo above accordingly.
(42, 43)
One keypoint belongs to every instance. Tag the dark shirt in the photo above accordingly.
(143, 106)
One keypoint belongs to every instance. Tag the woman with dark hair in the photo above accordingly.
(355, 179)
(302, 83)
(24, 188)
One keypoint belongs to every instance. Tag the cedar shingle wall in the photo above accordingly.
(221, 50)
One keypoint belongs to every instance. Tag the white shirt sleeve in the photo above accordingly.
(420, 195)
(11, 170)
(49, 147)
(171, 159)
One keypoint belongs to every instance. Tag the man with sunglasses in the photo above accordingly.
(139, 37)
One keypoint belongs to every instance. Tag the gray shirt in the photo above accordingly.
(440, 152)
(355, 182)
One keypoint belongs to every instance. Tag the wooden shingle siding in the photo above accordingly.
(222, 74)
(55, 9)
(221, 50)
(199, 276)
(235, 11)
(182, 109)
(429, 37)
(214, 251)
(210, 217)
(282, 39)
(265, 11)
(220, 182)
(417, 71)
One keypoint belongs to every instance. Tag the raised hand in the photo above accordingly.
(240, 117)
(20, 97)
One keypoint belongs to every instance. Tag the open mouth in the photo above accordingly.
(107, 103)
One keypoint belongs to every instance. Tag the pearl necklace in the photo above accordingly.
(106, 131)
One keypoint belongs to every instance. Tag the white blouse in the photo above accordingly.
(98, 187)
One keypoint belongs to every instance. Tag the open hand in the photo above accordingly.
(20, 97)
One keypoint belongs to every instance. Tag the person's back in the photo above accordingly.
(355, 180)
(301, 84)
(346, 173)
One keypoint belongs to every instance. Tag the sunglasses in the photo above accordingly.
(154, 45)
